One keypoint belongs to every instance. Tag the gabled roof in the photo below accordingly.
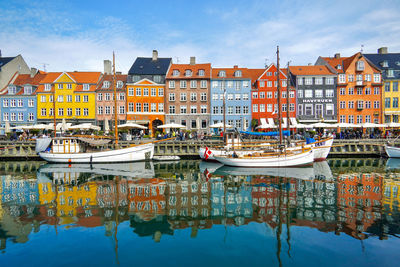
(255, 74)
(80, 78)
(311, 70)
(345, 62)
(85, 77)
(229, 73)
(193, 67)
(148, 66)
(5, 60)
(109, 77)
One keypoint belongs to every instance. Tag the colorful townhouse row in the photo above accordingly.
(358, 89)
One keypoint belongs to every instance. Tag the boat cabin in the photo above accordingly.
(65, 145)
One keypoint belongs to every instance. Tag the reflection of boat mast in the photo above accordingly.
(279, 229)
(116, 218)
(115, 106)
(288, 219)
(56, 205)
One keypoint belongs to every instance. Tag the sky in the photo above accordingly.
(68, 35)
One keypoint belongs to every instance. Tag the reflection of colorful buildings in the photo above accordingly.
(359, 202)
(391, 196)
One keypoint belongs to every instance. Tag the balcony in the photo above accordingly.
(360, 83)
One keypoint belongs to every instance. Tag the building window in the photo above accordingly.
(342, 119)
(183, 97)
(188, 73)
(77, 98)
(387, 87)
(255, 108)
(222, 73)
(60, 99)
(42, 99)
(245, 110)
(308, 93)
(329, 93)
(138, 107)
(85, 98)
(77, 112)
(377, 78)
(214, 84)
(201, 72)
(183, 84)
(171, 96)
(108, 110)
(130, 91)
(145, 91)
(376, 90)
(27, 90)
(69, 86)
(308, 109)
(51, 112)
(31, 103)
(131, 107)
(291, 107)
(299, 81)
(319, 93)
(360, 104)
(60, 112)
(31, 117)
(119, 84)
(395, 86)
(360, 65)
(47, 87)
(215, 110)
(69, 111)
(262, 84)
(145, 107)
(20, 116)
(367, 77)
(300, 93)
(367, 104)
(368, 118)
(308, 81)
(269, 83)
(85, 112)
(367, 91)
(160, 107)
(86, 87)
(5, 103)
(329, 81)
(351, 119)
(350, 77)
(99, 97)
(69, 98)
(203, 109)
(351, 104)
(203, 84)
(157, 78)
(175, 73)
(138, 91)
(359, 119)
(13, 103)
(153, 92)
(203, 96)
(238, 73)
(193, 84)
(153, 107)
(203, 124)
(172, 109)
(387, 102)
(342, 78)
(376, 104)
(395, 103)
(99, 110)
(183, 109)
(342, 104)
(351, 91)
(318, 80)
(171, 84)
(193, 97)
(262, 107)
(106, 84)
(193, 109)
(160, 91)
(359, 91)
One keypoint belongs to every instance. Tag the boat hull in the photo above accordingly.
(280, 160)
(136, 153)
(392, 151)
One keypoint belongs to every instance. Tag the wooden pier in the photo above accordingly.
(18, 150)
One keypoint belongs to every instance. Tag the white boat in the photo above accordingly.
(69, 150)
(291, 158)
(392, 151)
(321, 150)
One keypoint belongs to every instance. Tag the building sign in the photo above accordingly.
(317, 101)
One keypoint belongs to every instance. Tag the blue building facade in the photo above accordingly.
(235, 84)
(18, 101)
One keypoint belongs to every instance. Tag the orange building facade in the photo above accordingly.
(359, 88)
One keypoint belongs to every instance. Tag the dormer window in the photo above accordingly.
(188, 73)
(106, 84)
(201, 72)
(390, 73)
(12, 90)
(27, 89)
(119, 84)
(86, 87)
(47, 87)
(157, 78)
(136, 78)
(222, 73)
(238, 73)
(175, 72)
(360, 65)
(385, 64)
(339, 67)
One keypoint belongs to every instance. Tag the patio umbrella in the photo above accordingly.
(106, 126)
(393, 125)
(321, 125)
(346, 125)
(85, 126)
(64, 126)
(372, 125)
(303, 126)
(220, 125)
(7, 127)
(171, 125)
(131, 125)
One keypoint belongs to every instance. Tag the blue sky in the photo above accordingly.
(78, 35)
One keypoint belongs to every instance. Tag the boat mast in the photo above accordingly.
(287, 98)
(224, 106)
(115, 105)
(279, 96)
(54, 110)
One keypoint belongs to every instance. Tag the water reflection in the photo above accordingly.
(355, 197)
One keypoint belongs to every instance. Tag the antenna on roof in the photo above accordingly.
(266, 63)
(44, 66)
(177, 60)
(362, 48)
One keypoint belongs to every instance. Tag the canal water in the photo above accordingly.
(342, 212)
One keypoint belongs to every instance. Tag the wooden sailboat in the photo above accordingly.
(280, 157)
(75, 150)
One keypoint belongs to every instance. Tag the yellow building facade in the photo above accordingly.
(391, 97)
(75, 97)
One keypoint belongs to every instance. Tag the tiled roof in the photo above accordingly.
(79, 88)
(255, 74)
(109, 77)
(85, 77)
(311, 70)
(193, 67)
(50, 77)
(333, 62)
(80, 78)
(392, 60)
(229, 73)
(5, 60)
(148, 66)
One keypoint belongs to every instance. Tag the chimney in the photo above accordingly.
(107, 66)
(337, 55)
(0, 52)
(383, 50)
(192, 60)
(155, 55)
(235, 66)
(118, 72)
(33, 72)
